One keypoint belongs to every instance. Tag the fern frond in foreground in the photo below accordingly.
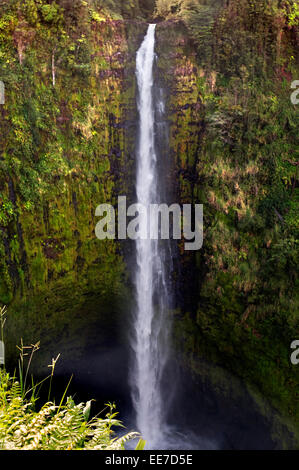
(63, 427)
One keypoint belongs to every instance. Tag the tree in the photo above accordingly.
(22, 36)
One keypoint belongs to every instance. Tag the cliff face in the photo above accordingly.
(67, 133)
(232, 138)
(67, 129)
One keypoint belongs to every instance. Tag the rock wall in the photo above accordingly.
(67, 134)
(65, 148)
(235, 306)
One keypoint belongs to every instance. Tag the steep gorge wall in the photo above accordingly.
(232, 127)
(65, 148)
(68, 147)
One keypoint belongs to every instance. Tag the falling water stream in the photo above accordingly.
(150, 324)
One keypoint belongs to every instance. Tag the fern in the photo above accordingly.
(63, 427)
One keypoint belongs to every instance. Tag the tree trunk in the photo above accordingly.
(53, 68)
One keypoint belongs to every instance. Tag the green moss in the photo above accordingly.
(66, 148)
(63, 148)
(242, 307)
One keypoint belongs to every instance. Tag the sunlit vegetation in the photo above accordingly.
(68, 69)
(247, 179)
(26, 423)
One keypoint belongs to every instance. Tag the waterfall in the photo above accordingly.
(151, 330)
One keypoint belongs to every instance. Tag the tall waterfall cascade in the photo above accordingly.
(151, 330)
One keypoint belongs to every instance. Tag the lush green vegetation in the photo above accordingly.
(61, 140)
(242, 164)
(66, 133)
(65, 426)
(28, 424)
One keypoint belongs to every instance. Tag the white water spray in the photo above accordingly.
(150, 325)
